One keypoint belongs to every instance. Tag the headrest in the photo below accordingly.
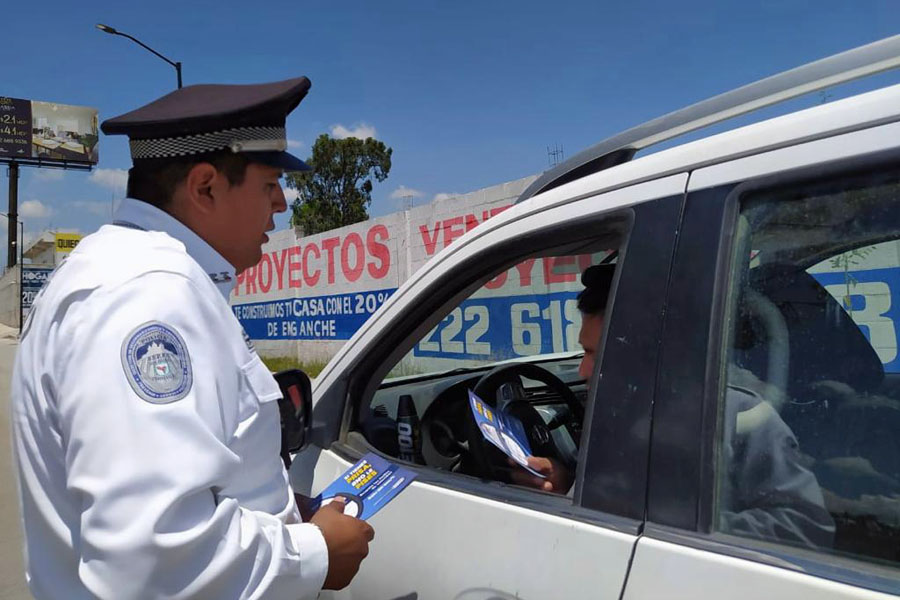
(825, 342)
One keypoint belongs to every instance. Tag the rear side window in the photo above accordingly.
(808, 451)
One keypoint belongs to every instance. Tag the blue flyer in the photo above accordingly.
(502, 430)
(366, 486)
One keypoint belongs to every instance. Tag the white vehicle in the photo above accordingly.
(762, 262)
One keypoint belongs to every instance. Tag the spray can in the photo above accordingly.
(408, 431)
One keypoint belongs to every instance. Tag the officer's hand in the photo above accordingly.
(347, 539)
(558, 478)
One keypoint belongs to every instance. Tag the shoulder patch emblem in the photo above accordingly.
(222, 277)
(248, 341)
(156, 363)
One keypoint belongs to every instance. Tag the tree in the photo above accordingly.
(338, 190)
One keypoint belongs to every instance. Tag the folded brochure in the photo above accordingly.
(366, 486)
(502, 430)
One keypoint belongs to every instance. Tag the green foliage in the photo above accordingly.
(89, 140)
(844, 261)
(281, 363)
(338, 190)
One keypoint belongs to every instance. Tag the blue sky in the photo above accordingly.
(468, 94)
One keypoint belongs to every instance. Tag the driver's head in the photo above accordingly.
(597, 280)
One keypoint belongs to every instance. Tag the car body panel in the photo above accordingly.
(433, 542)
(666, 570)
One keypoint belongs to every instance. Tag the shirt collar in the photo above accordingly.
(142, 215)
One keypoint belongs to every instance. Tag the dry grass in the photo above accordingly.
(280, 363)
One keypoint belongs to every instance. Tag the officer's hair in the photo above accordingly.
(154, 181)
(597, 281)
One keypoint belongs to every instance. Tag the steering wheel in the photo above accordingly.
(489, 460)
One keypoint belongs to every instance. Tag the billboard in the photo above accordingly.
(33, 279)
(308, 295)
(47, 132)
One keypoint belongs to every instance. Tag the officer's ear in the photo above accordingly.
(201, 186)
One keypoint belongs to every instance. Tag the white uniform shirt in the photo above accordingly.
(146, 430)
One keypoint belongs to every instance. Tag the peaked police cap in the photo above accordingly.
(200, 119)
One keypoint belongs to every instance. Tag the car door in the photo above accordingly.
(774, 470)
(450, 535)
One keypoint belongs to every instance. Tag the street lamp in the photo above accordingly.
(111, 31)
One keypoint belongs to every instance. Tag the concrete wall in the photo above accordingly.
(9, 297)
(308, 295)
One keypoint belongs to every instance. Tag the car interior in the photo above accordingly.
(827, 381)
(540, 385)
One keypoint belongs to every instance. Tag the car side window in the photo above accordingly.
(519, 342)
(528, 310)
(809, 413)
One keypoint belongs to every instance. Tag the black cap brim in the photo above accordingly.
(280, 160)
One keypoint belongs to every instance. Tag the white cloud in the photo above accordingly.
(444, 196)
(403, 192)
(49, 174)
(294, 144)
(360, 130)
(290, 194)
(35, 209)
(114, 179)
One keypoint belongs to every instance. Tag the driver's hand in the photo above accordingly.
(558, 481)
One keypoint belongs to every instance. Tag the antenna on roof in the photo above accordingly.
(555, 155)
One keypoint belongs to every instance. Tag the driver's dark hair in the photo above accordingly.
(597, 281)
(154, 181)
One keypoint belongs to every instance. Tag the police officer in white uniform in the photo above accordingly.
(146, 428)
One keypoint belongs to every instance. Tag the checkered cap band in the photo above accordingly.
(240, 139)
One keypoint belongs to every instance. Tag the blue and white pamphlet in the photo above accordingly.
(502, 430)
(366, 486)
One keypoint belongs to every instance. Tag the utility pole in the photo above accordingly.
(12, 232)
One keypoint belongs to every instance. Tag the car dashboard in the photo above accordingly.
(442, 413)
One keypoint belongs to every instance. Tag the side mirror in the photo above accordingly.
(295, 407)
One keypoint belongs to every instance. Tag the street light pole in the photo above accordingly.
(111, 31)
(21, 272)
(13, 214)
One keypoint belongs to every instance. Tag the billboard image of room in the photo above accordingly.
(48, 132)
(64, 132)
